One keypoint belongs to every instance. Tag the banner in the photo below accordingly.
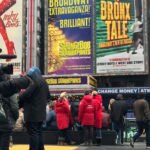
(11, 33)
(69, 37)
(120, 44)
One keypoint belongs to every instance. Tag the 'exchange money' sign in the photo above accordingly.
(134, 90)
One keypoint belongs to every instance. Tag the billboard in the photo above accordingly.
(121, 37)
(11, 33)
(69, 37)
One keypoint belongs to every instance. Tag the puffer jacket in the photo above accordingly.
(86, 114)
(63, 114)
(98, 108)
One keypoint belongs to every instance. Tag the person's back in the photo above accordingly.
(118, 110)
(51, 118)
(142, 115)
(141, 110)
(86, 117)
(106, 120)
(86, 111)
(33, 100)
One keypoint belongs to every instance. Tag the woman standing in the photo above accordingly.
(98, 118)
(63, 118)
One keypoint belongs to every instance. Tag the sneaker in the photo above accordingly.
(131, 142)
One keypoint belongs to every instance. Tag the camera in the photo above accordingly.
(6, 69)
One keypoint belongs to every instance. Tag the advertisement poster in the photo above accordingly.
(119, 37)
(11, 33)
(69, 37)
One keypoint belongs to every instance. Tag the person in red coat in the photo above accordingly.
(98, 119)
(63, 118)
(86, 117)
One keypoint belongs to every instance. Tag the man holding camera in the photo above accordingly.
(33, 100)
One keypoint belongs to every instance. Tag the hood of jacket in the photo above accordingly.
(87, 99)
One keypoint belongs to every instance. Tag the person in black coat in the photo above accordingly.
(118, 111)
(7, 89)
(34, 100)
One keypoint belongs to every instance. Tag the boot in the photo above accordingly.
(98, 142)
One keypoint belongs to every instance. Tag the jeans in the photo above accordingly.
(34, 130)
(118, 127)
(88, 134)
(4, 140)
(140, 127)
(98, 133)
(64, 134)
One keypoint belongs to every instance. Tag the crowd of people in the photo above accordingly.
(38, 112)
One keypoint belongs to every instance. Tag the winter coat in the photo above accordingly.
(63, 114)
(118, 110)
(141, 110)
(34, 100)
(98, 110)
(106, 120)
(86, 114)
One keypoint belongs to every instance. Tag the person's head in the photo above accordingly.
(87, 92)
(111, 101)
(51, 105)
(141, 96)
(137, 18)
(119, 97)
(94, 93)
(34, 73)
(64, 95)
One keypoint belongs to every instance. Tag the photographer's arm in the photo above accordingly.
(10, 87)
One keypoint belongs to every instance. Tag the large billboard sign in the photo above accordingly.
(69, 37)
(11, 33)
(121, 37)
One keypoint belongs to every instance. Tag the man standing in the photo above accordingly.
(33, 100)
(118, 111)
(142, 115)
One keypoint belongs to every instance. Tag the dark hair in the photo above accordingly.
(141, 96)
(119, 97)
(86, 92)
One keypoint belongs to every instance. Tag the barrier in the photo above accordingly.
(50, 137)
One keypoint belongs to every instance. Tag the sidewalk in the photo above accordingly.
(126, 146)
(138, 146)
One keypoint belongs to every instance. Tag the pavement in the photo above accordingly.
(126, 146)
(137, 146)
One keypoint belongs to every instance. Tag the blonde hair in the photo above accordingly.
(94, 93)
(63, 95)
